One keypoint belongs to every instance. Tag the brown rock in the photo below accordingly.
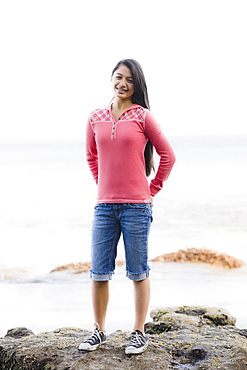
(76, 267)
(201, 255)
(79, 267)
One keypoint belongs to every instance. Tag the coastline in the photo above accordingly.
(63, 299)
(46, 222)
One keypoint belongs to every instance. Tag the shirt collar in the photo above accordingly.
(133, 106)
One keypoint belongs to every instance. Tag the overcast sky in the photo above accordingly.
(57, 57)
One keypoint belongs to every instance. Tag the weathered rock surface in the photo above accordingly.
(193, 315)
(195, 345)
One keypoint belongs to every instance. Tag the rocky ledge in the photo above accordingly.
(187, 338)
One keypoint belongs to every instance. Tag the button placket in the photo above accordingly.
(113, 131)
(114, 126)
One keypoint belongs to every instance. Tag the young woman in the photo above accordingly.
(119, 149)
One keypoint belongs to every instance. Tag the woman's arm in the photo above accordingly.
(91, 151)
(163, 148)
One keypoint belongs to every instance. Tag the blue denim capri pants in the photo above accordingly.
(133, 221)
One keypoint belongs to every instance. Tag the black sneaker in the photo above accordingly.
(98, 338)
(138, 343)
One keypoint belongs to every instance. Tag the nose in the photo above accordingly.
(122, 83)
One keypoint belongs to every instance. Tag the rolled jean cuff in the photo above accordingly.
(138, 277)
(100, 277)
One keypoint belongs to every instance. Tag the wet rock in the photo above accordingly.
(199, 256)
(190, 357)
(160, 327)
(19, 332)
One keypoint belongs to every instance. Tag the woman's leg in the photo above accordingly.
(100, 298)
(141, 300)
(105, 236)
(135, 222)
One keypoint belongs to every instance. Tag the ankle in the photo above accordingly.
(100, 327)
(139, 328)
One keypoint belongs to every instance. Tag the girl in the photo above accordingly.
(119, 150)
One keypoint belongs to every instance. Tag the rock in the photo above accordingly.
(10, 273)
(172, 345)
(201, 255)
(188, 255)
(19, 332)
(193, 315)
(79, 267)
(76, 267)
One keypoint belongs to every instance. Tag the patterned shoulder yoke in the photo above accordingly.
(100, 115)
(104, 115)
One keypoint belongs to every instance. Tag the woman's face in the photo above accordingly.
(123, 83)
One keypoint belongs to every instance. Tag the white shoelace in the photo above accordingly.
(94, 337)
(136, 339)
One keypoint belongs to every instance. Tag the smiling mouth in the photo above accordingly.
(121, 90)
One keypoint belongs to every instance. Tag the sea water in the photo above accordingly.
(46, 206)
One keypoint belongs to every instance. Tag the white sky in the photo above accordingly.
(57, 57)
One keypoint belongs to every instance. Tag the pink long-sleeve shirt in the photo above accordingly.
(115, 154)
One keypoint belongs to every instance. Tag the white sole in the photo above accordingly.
(91, 348)
(136, 351)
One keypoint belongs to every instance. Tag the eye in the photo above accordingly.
(130, 81)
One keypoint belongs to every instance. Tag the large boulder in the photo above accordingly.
(193, 345)
(193, 315)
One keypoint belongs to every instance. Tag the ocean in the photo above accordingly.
(46, 206)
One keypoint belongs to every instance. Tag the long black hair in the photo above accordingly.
(140, 96)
